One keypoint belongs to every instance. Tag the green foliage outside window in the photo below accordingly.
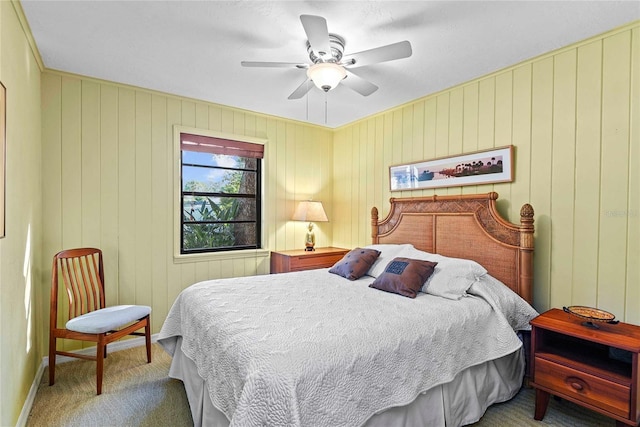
(199, 236)
(210, 220)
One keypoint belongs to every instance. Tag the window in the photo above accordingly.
(220, 196)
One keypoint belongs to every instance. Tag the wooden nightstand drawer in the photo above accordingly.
(298, 260)
(310, 262)
(607, 395)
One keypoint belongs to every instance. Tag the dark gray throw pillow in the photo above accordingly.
(404, 276)
(356, 263)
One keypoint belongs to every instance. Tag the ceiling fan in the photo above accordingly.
(329, 66)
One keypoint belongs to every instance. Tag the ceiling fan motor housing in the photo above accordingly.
(336, 44)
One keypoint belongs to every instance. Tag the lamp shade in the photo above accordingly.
(326, 75)
(310, 211)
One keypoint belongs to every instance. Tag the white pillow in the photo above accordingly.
(387, 253)
(452, 277)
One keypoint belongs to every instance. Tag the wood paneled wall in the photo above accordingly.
(108, 183)
(574, 119)
(21, 298)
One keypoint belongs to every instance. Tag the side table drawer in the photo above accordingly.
(298, 260)
(607, 395)
(311, 262)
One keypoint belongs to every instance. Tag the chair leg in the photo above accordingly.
(147, 337)
(52, 359)
(99, 365)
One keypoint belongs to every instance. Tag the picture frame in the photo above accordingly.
(480, 167)
(3, 150)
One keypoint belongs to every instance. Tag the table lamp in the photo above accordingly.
(313, 212)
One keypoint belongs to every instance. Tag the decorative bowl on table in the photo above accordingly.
(591, 315)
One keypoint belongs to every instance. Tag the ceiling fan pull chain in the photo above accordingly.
(325, 108)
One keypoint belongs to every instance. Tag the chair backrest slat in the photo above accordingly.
(69, 283)
(94, 278)
(86, 280)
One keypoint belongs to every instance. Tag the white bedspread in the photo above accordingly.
(313, 349)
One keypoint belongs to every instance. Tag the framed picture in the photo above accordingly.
(3, 140)
(480, 167)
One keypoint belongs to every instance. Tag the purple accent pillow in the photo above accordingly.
(404, 276)
(356, 263)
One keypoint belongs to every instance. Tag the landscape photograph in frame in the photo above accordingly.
(480, 167)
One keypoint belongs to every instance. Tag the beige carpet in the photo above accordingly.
(134, 393)
(519, 412)
(139, 394)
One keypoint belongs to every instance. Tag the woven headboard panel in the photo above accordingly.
(464, 226)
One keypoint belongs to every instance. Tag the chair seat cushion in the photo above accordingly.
(107, 319)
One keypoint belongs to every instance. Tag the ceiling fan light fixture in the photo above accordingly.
(326, 75)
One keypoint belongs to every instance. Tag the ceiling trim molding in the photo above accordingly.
(184, 98)
(17, 7)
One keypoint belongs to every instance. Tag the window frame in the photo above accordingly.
(177, 204)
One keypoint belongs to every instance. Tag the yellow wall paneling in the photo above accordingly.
(23, 291)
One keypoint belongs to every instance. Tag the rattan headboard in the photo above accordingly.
(464, 226)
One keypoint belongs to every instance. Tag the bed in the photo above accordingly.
(313, 348)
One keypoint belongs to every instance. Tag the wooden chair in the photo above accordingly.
(88, 318)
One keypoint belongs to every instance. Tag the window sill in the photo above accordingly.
(219, 256)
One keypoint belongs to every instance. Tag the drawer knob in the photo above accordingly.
(577, 386)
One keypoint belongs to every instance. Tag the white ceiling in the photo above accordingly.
(194, 48)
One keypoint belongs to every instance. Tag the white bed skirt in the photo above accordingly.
(462, 401)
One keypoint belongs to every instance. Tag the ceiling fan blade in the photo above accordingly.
(301, 90)
(379, 54)
(358, 84)
(317, 33)
(273, 64)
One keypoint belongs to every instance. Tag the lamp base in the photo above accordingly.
(309, 249)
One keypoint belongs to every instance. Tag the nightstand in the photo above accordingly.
(595, 368)
(298, 260)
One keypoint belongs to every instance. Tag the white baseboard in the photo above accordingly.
(115, 346)
(28, 403)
